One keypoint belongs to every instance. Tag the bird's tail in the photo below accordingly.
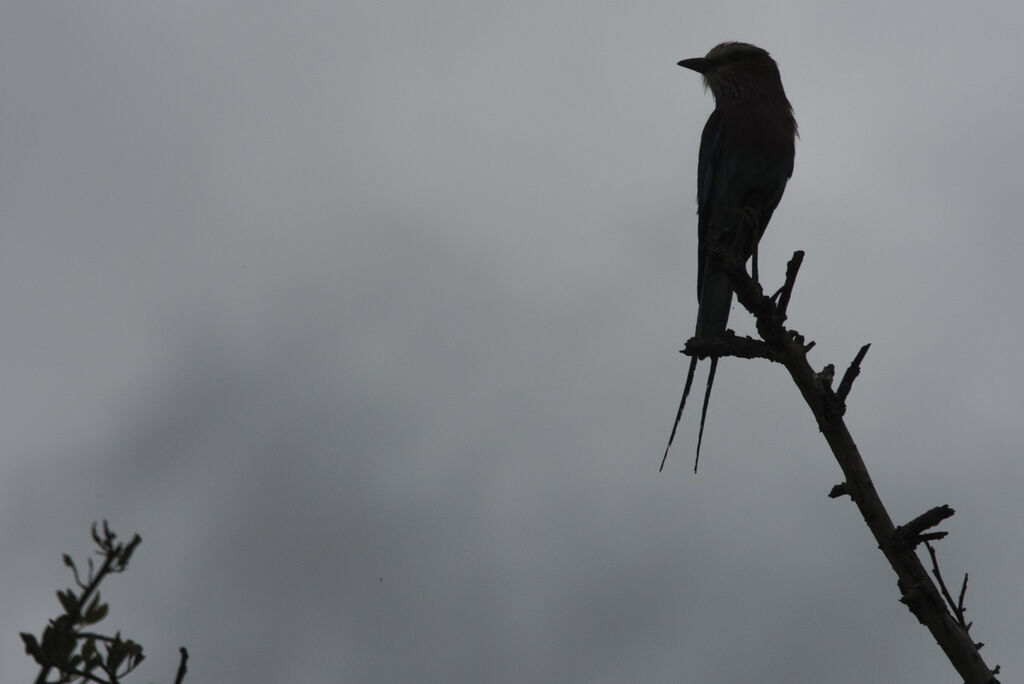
(679, 413)
(704, 409)
(682, 404)
(712, 317)
(715, 302)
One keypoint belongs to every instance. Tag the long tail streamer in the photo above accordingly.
(682, 404)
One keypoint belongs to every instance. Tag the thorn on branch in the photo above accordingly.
(963, 592)
(846, 384)
(798, 340)
(841, 489)
(827, 374)
(792, 268)
(182, 666)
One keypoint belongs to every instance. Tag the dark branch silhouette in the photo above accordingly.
(931, 605)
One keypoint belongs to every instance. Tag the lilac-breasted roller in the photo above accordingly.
(746, 158)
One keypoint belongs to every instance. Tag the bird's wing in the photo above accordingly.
(707, 164)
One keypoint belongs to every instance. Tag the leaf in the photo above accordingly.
(96, 613)
(58, 642)
(68, 562)
(68, 599)
(32, 647)
(115, 656)
(92, 604)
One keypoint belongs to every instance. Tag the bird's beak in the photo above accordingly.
(699, 64)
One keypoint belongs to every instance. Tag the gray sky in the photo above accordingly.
(365, 315)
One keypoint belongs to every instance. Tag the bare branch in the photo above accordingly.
(731, 345)
(182, 666)
(792, 268)
(958, 606)
(911, 534)
(846, 384)
(927, 602)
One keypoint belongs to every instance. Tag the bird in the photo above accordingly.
(746, 158)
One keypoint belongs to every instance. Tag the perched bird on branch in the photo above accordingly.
(746, 158)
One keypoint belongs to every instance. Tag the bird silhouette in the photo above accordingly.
(745, 159)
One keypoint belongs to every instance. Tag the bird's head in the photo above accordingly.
(735, 70)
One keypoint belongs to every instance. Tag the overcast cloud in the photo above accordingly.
(366, 315)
